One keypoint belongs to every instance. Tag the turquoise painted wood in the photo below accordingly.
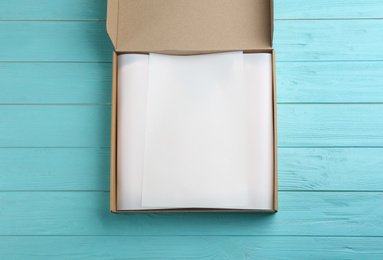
(330, 169)
(55, 126)
(86, 169)
(55, 93)
(328, 40)
(55, 169)
(55, 83)
(55, 41)
(87, 213)
(53, 10)
(329, 82)
(191, 247)
(327, 9)
(330, 125)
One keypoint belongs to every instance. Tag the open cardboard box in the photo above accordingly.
(186, 27)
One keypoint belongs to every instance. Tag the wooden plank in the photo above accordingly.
(90, 83)
(328, 9)
(330, 125)
(53, 10)
(55, 126)
(338, 169)
(96, 9)
(55, 41)
(87, 213)
(185, 247)
(294, 40)
(54, 169)
(89, 125)
(329, 82)
(328, 40)
(87, 169)
(55, 83)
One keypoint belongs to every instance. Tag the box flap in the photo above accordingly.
(111, 22)
(190, 26)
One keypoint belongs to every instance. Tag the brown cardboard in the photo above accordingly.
(188, 27)
(185, 26)
(111, 22)
(275, 135)
(113, 143)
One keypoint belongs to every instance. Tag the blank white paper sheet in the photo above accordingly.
(260, 137)
(131, 119)
(195, 148)
(195, 131)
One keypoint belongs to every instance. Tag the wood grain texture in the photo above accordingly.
(55, 41)
(330, 125)
(55, 83)
(90, 83)
(294, 40)
(328, 40)
(54, 169)
(87, 169)
(55, 126)
(327, 9)
(195, 247)
(329, 82)
(87, 213)
(53, 10)
(340, 169)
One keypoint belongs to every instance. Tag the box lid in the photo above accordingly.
(190, 26)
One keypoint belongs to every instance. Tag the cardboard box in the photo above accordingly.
(185, 27)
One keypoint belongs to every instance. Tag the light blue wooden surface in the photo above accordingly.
(55, 94)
